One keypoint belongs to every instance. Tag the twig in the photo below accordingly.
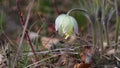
(50, 51)
(55, 7)
(117, 58)
(24, 31)
(45, 52)
(43, 19)
(41, 61)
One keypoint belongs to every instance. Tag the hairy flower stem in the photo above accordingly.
(106, 35)
(103, 21)
(117, 24)
(102, 24)
(117, 31)
(90, 18)
(101, 35)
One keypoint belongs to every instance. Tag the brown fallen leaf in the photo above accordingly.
(72, 39)
(1, 59)
(87, 54)
(86, 58)
(62, 60)
(50, 29)
(3, 62)
(48, 42)
(110, 52)
(82, 65)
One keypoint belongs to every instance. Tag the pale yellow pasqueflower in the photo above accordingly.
(66, 25)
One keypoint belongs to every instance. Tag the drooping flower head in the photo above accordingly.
(66, 25)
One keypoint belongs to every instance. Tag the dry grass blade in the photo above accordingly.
(36, 63)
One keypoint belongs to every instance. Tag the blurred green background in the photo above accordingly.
(9, 19)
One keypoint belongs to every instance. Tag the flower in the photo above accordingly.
(66, 25)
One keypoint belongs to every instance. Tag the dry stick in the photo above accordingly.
(42, 61)
(55, 7)
(24, 31)
(50, 51)
(28, 38)
(42, 19)
(118, 59)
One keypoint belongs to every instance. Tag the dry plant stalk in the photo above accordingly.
(25, 32)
